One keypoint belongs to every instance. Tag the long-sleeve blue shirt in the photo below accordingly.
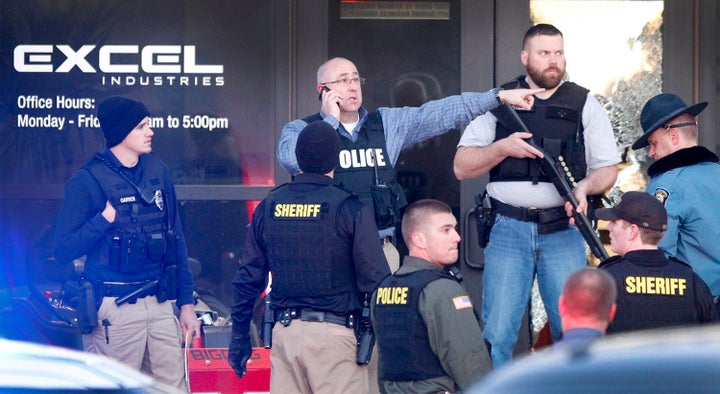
(403, 126)
(687, 182)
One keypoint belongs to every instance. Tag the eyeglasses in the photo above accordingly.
(678, 125)
(346, 81)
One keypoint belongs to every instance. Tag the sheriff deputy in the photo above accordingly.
(320, 243)
(653, 290)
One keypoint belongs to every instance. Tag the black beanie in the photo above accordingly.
(318, 148)
(118, 116)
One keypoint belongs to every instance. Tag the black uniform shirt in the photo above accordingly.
(355, 223)
(654, 291)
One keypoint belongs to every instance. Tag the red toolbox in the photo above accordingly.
(210, 372)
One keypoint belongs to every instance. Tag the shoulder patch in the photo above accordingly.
(661, 195)
(462, 302)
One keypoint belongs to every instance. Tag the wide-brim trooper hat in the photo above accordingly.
(661, 109)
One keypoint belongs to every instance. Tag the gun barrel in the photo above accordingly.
(137, 292)
(596, 247)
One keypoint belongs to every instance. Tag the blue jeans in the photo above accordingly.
(514, 254)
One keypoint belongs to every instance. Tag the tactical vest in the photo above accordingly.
(307, 257)
(556, 127)
(404, 349)
(652, 297)
(365, 169)
(136, 241)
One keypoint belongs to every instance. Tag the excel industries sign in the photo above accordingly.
(187, 61)
(156, 65)
(153, 65)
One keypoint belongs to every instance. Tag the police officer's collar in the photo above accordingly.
(110, 157)
(651, 257)
(313, 178)
(682, 158)
(419, 263)
(363, 113)
(107, 154)
(362, 116)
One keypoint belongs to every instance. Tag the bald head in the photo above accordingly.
(323, 72)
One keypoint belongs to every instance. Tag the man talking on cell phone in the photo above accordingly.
(370, 142)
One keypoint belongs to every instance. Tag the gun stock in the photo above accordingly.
(507, 115)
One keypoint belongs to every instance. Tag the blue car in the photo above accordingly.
(679, 360)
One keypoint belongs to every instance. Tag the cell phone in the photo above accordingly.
(324, 89)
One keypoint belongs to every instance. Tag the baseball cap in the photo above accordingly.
(638, 208)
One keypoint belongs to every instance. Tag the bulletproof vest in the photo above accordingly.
(136, 241)
(404, 349)
(652, 297)
(307, 257)
(556, 125)
(365, 168)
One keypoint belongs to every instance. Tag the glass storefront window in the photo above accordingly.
(207, 72)
(421, 62)
(200, 68)
(215, 234)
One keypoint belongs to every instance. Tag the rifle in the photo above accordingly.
(511, 120)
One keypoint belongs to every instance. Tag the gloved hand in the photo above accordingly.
(239, 353)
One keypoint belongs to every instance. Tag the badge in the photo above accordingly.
(159, 202)
(661, 195)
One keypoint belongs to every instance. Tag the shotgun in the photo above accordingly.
(551, 168)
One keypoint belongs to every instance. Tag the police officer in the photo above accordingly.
(429, 338)
(686, 178)
(371, 141)
(121, 212)
(320, 244)
(653, 290)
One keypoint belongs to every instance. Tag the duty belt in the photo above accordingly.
(285, 316)
(524, 214)
(119, 289)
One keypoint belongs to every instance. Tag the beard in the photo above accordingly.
(543, 79)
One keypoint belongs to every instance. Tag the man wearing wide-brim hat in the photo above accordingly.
(686, 179)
